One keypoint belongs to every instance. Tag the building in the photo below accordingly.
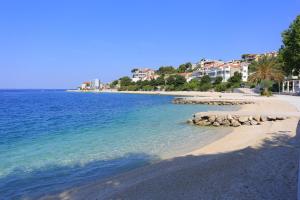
(225, 70)
(244, 70)
(95, 84)
(91, 85)
(142, 74)
(291, 85)
(186, 75)
(256, 57)
(85, 86)
(210, 63)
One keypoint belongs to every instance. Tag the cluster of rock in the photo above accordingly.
(231, 120)
(210, 101)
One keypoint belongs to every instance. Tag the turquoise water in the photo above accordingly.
(51, 140)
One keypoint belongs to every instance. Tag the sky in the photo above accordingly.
(61, 43)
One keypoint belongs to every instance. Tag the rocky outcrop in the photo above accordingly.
(189, 100)
(206, 119)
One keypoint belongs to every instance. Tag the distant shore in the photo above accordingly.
(253, 161)
(171, 93)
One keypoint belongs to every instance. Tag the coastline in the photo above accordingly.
(135, 184)
(168, 93)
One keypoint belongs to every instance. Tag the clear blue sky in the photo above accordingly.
(59, 43)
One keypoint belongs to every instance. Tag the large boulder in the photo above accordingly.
(280, 117)
(220, 119)
(271, 118)
(216, 124)
(243, 119)
(253, 122)
(263, 118)
(247, 123)
(190, 121)
(226, 122)
(212, 118)
(235, 123)
(256, 118)
(229, 117)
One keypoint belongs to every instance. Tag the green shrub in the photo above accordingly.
(205, 87)
(148, 88)
(221, 87)
(266, 93)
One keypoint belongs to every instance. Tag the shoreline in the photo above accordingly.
(239, 139)
(169, 93)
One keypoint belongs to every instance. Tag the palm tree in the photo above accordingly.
(266, 69)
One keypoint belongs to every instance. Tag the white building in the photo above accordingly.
(95, 84)
(142, 74)
(225, 70)
(291, 85)
(244, 71)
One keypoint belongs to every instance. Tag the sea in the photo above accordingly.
(53, 140)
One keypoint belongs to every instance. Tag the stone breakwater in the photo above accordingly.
(225, 119)
(191, 100)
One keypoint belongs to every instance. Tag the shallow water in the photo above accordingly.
(51, 140)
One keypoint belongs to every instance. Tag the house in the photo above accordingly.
(256, 57)
(142, 74)
(225, 70)
(291, 85)
(186, 75)
(95, 84)
(85, 86)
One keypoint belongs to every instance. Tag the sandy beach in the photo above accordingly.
(252, 162)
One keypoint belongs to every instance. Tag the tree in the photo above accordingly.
(181, 68)
(125, 81)
(176, 80)
(266, 69)
(266, 85)
(205, 79)
(134, 70)
(166, 70)
(184, 67)
(192, 85)
(236, 78)
(221, 87)
(205, 83)
(114, 83)
(160, 81)
(218, 80)
(188, 65)
(289, 52)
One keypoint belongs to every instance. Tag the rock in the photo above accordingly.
(204, 117)
(247, 123)
(271, 118)
(226, 122)
(203, 123)
(220, 119)
(236, 117)
(250, 118)
(216, 124)
(229, 117)
(198, 115)
(253, 122)
(256, 118)
(280, 118)
(212, 118)
(243, 119)
(235, 123)
(190, 121)
(263, 118)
